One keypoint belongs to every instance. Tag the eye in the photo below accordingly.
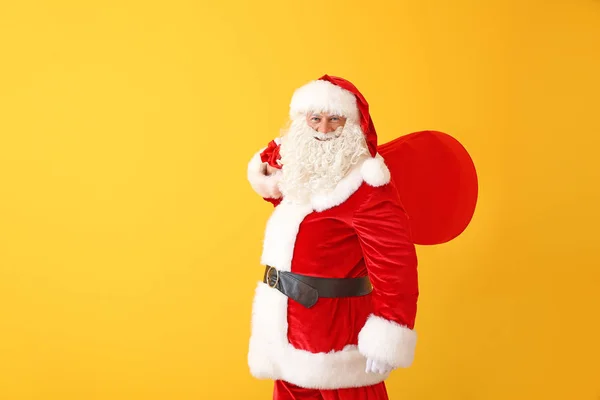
(315, 119)
(335, 119)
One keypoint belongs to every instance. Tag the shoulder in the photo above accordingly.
(378, 189)
(377, 183)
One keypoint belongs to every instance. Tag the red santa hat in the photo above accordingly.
(338, 96)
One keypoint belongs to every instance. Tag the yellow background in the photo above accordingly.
(130, 239)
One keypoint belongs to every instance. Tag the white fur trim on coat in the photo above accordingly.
(342, 192)
(265, 185)
(387, 341)
(324, 96)
(270, 354)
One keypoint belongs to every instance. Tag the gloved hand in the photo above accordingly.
(378, 367)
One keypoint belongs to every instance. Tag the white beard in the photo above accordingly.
(311, 166)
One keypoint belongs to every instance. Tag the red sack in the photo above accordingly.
(437, 183)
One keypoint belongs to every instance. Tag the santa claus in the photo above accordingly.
(335, 311)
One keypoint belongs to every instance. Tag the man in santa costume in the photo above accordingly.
(335, 311)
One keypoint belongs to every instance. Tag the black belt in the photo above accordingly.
(306, 290)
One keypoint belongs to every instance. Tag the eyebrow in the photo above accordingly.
(319, 115)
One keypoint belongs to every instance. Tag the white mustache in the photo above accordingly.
(328, 136)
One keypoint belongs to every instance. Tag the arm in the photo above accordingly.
(382, 226)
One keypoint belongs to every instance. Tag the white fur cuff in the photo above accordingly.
(264, 185)
(387, 341)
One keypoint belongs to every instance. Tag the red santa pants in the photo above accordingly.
(286, 391)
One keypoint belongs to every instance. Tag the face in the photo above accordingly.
(315, 162)
(325, 123)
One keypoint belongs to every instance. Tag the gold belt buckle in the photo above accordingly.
(269, 277)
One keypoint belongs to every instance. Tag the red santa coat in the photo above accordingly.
(359, 229)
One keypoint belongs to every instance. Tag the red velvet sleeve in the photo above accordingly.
(383, 230)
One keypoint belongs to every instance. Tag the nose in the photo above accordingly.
(324, 127)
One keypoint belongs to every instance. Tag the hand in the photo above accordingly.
(267, 170)
(271, 187)
(378, 367)
(270, 170)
